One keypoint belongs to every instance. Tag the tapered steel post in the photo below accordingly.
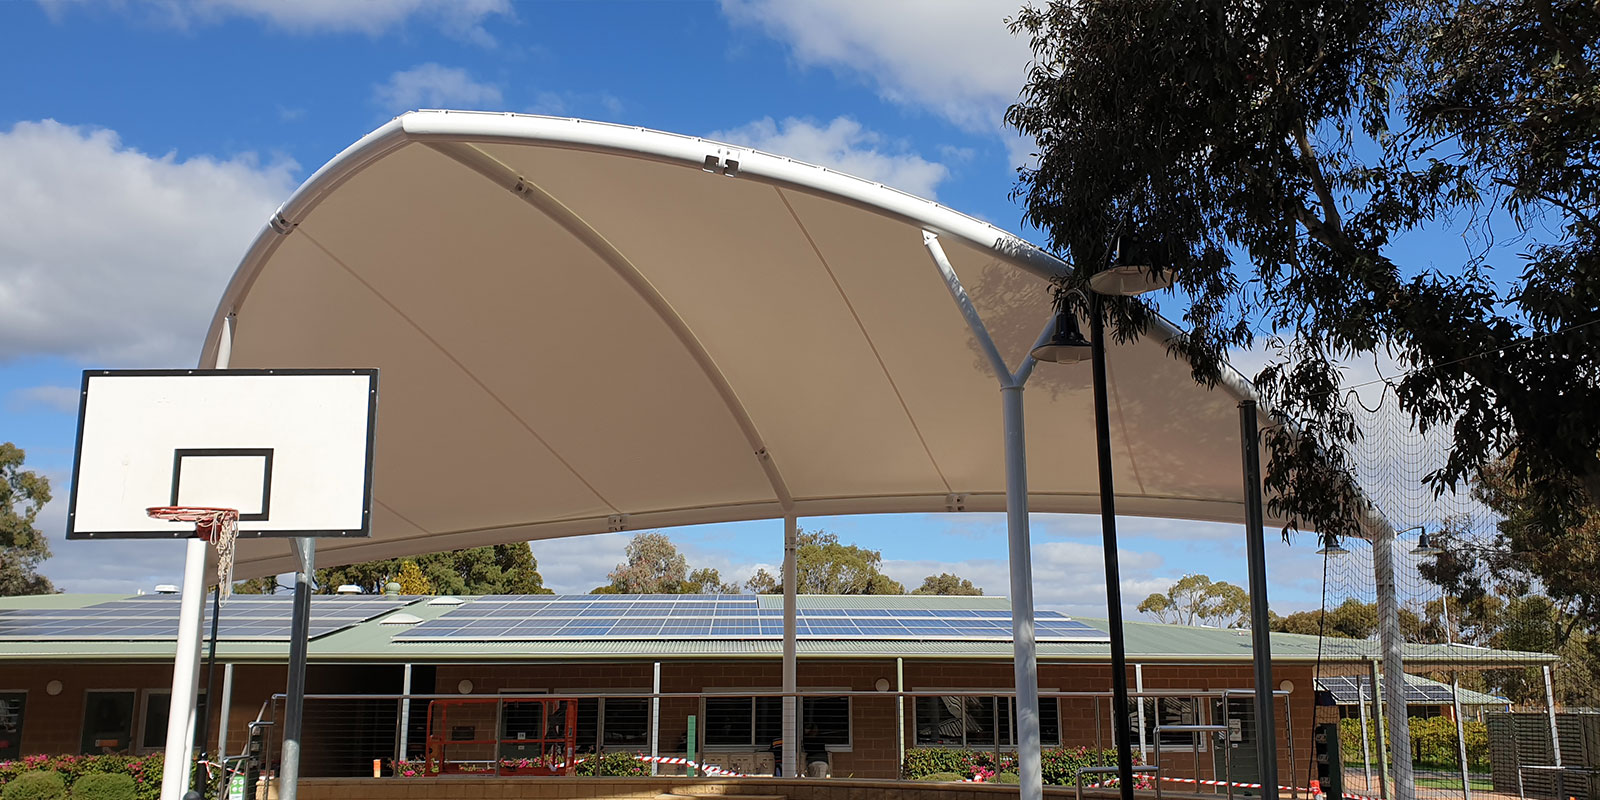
(1120, 711)
(791, 586)
(1260, 631)
(294, 706)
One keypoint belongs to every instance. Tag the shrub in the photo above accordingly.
(1060, 765)
(144, 770)
(613, 764)
(39, 784)
(1006, 777)
(942, 776)
(924, 761)
(104, 786)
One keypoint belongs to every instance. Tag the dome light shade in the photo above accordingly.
(1066, 345)
(1133, 270)
(1331, 546)
(1425, 546)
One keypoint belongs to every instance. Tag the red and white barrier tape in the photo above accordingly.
(709, 769)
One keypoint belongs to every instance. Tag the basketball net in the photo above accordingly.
(219, 526)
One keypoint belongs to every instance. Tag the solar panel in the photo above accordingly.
(155, 617)
(1350, 690)
(514, 618)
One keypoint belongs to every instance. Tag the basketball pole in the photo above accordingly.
(305, 550)
(186, 654)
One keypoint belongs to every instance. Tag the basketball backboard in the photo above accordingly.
(291, 450)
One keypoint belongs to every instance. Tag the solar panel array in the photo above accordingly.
(244, 617)
(524, 618)
(1352, 690)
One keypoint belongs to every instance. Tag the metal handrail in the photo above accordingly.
(1077, 781)
(1227, 754)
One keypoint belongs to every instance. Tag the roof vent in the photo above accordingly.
(400, 619)
(446, 601)
(348, 588)
(166, 588)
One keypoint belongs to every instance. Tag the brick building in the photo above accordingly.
(91, 673)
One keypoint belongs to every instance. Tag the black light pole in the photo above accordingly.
(202, 776)
(1260, 637)
(1108, 531)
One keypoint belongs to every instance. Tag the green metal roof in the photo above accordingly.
(373, 641)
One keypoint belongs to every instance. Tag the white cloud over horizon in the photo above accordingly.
(115, 256)
(432, 85)
(956, 59)
(462, 19)
(842, 144)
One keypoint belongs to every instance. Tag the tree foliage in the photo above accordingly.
(498, 569)
(947, 583)
(411, 579)
(654, 566)
(1196, 599)
(23, 493)
(824, 565)
(1271, 155)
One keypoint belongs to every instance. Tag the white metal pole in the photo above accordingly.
(1138, 687)
(1025, 666)
(1394, 689)
(900, 712)
(1382, 737)
(655, 718)
(1461, 732)
(1366, 748)
(294, 706)
(1550, 710)
(791, 580)
(405, 714)
(186, 652)
(227, 708)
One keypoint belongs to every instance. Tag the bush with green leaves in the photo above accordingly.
(39, 784)
(144, 770)
(942, 776)
(616, 764)
(1006, 777)
(104, 786)
(1060, 764)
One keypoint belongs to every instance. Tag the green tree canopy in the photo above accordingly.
(824, 565)
(947, 583)
(499, 569)
(22, 546)
(1272, 156)
(1198, 600)
(654, 566)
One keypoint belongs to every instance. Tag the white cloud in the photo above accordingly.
(114, 256)
(954, 57)
(1067, 576)
(460, 18)
(49, 398)
(843, 145)
(433, 86)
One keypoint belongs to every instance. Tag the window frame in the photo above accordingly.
(600, 713)
(1153, 719)
(757, 693)
(999, 698)
(24, 715)
(142, 719)
(83, 717)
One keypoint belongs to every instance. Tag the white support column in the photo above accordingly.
(1461, 730)
(655, 718)
(1550, 710)
(900, 713)
(186, 654)
(405, 714)
(1394, 689)
(1138, 688)
(225, 711)
(1366, 749)
(791, 669)
(1025, 667)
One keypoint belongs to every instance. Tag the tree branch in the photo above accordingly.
(1330, 209)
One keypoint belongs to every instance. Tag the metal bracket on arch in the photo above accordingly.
(616, 522)
(955, 502)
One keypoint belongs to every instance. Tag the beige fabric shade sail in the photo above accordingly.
(585, 327)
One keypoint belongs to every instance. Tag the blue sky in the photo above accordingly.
(143, 143)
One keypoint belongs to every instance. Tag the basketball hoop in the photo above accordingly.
(218, 526)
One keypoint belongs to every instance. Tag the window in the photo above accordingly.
(12, 704)
(978, 721)
(613, 723)
(153, 722)
(1169, 711)
(756, 722)
(107, 721)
